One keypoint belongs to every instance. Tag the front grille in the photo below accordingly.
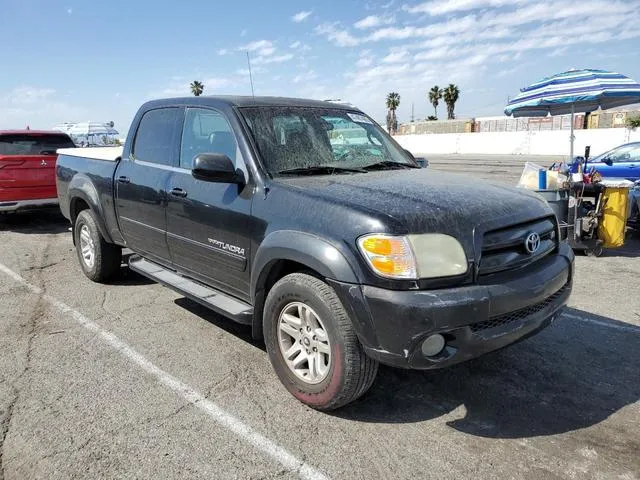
(504, 249)
(521, 314)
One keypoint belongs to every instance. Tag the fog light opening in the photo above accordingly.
(433, 345)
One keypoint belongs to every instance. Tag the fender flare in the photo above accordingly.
(81, 187)
(304, 248)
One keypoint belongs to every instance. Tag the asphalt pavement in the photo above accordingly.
(131, 380)
(496, 168)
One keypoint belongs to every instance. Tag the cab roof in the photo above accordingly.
(248, 101)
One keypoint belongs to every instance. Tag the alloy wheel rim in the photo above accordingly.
(87, 248)
(304, 343)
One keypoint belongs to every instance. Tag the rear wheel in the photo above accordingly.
(99, 259)
(312, 345)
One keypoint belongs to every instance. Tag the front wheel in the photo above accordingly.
(99, 259)
(312, 344)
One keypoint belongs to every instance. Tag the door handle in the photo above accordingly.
(123, 179)
(178, 192)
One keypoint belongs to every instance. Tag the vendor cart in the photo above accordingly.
(585, 213)
(592, 215)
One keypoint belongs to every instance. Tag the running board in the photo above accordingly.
(217, 301)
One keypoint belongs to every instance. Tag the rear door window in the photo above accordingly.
(156, 136)
(33, 144)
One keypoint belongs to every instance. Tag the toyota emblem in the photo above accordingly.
(532, 243)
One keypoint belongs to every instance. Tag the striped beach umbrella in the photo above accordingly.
(92, 133)
(575, 91)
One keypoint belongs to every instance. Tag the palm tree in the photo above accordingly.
(633, 123)
(393, 102)
(450, 96)
(197, 88)
(435, 94)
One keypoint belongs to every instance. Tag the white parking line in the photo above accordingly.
(235, 425)
(595, 321)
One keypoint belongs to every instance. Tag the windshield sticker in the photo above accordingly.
(358, 118)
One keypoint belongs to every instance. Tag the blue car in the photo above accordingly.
(621, 162)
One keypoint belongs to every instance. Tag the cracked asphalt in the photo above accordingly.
(562, 404)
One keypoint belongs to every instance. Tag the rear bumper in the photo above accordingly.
(20, 205)
(475, 319)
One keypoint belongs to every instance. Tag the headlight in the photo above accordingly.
(389, 256)
(429, 255)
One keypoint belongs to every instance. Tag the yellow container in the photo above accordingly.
(614, 219)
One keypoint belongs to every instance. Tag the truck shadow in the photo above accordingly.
(573, 375)
(36, 222)
(630, 249)
(243, 332)
(128, 276)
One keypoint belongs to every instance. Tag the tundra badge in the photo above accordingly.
(226, 247)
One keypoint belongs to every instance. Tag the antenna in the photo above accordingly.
(250, 76)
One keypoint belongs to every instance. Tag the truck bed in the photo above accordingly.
(90, 171)
(94, 153)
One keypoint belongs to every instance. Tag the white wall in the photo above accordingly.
(554, 142)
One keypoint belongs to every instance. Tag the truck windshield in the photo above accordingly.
(309, 140)
(33, 144)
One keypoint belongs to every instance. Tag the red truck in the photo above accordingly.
(28, 168)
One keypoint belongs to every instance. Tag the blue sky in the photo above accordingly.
(98, 61)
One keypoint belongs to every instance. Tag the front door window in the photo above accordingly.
(207, 131)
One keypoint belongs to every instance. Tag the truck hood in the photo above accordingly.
(428, 201)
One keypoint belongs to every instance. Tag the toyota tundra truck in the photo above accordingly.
(306, 221)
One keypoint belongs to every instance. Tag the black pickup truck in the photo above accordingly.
(305, 220)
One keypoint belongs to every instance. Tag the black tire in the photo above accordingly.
(596, 251)
(351, 372)
(107, 256)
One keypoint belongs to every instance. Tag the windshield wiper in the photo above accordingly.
(320, 169)
(388, 165)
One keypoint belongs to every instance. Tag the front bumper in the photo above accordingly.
(474, 320)
(20, 205)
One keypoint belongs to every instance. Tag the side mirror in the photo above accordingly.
(608, 161)
(216, 167)
(423, 162)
